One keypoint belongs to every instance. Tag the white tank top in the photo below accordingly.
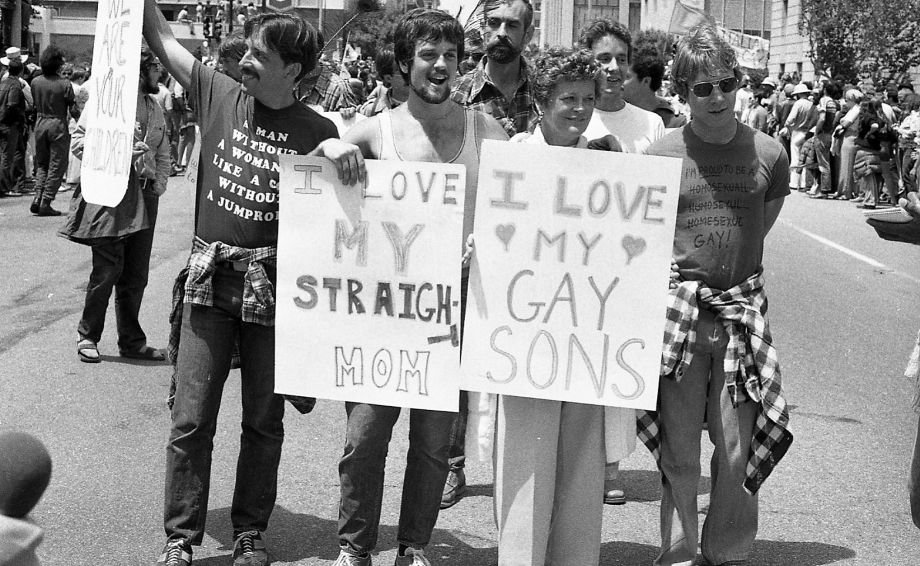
(467, 155)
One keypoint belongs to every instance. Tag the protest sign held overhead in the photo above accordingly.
(569, 282)
(110, 124)
(368, 294)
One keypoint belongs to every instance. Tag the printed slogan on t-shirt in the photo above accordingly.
(368, 294)
(112, 108)
(569, 281)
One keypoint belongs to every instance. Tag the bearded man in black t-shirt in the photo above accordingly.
(225, 297)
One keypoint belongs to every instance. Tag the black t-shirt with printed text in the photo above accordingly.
(238, 170)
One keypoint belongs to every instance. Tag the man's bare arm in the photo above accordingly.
(771, 213)
(177, 59)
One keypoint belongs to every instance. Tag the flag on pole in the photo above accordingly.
(684, 17)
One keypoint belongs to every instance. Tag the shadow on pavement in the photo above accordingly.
(645, 485)
(293, 537)
(783, 553)
(623, 553)
(479, 490)
(766, 553)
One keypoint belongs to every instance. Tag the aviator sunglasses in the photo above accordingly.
(704, 89)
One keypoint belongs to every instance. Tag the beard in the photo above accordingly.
(432, 96)
(150, 87)
(502, 51)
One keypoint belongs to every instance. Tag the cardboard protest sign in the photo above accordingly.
(342, 124)
(110, 123)
(751, 51)
(569, 281)
(368, 294)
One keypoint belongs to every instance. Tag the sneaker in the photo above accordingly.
(348, 559)
(454, 488)
(175, 553)
(249, 550)
(413, 557)
(614, 497)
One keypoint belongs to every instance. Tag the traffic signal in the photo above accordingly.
(207, 26)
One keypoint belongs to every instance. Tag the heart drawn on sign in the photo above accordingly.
(633, 246)
(505, 232)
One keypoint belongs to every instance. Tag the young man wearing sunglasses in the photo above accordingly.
(718, 362)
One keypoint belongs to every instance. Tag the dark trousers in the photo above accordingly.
(908, 170)
(123, 265)
(52, 154)
(10, 175)
(19, 158)
(361, 472)
(209, 336)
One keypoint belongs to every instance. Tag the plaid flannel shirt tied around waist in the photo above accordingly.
(751, 366)
(193, 285)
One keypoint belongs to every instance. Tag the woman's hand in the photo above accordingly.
(675, 275)
(468, 252)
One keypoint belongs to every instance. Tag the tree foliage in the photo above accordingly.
(874, 39)
(373, 30)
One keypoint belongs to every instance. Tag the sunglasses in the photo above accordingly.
(704, 89)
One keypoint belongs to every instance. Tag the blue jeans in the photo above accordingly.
(361, 470)
(205, 349)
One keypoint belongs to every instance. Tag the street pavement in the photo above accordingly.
(844, 313)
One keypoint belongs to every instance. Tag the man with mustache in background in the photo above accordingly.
(499, 85)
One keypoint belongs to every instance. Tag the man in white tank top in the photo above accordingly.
(428, 127)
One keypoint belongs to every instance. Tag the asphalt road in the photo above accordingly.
(843, 306)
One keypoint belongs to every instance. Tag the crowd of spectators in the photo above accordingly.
(850, 141)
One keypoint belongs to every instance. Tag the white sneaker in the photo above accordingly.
(413, 557)
(346, 559)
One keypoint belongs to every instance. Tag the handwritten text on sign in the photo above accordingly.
(110, 126)
(368, 294)
(569, 281)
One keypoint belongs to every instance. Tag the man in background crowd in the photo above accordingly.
(54, 105)
(12, 124)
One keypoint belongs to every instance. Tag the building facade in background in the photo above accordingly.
(71, 24)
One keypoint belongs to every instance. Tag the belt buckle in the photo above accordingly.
(242, 266)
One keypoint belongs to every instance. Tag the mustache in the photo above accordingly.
(501, 42)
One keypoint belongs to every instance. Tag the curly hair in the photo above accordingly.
(51, 60)
(602, 27)
(555, 65)
(648, 62)
(702, 50)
